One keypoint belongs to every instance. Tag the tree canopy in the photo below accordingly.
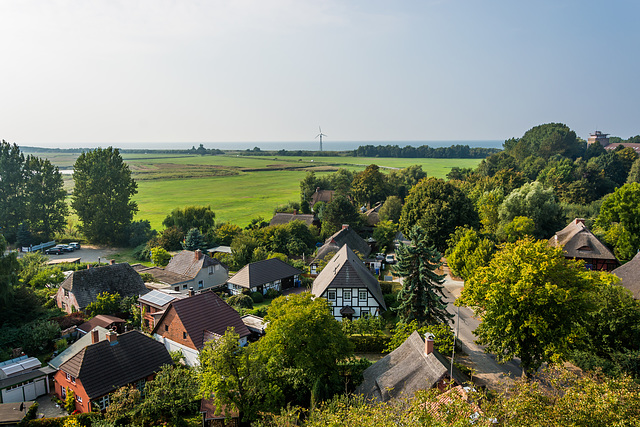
(200, 217)
(545, 141)
(620, 218)
(438, 207)
(102, 195)
(368, 186)
(532, 302)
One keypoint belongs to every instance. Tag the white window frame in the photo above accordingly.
(103, 403)
(362, 295)
(346, 294)
(331, 295)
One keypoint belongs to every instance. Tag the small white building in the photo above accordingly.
(349, 286)
(23, 379)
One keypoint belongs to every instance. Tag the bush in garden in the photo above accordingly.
(257, 297)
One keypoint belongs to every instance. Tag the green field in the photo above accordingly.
(238, 188)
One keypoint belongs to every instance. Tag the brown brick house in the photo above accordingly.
(104, 366)
(189, 323)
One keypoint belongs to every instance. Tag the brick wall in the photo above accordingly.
(176, 329)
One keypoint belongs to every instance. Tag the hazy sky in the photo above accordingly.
(75, 73)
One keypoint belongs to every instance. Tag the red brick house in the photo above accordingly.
(188, 324)
(104, 366)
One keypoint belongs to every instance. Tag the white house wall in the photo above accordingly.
(358, 305)
(191, 356)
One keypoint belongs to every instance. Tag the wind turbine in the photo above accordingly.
(320, 135)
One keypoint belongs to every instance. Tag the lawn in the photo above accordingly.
(238, 188)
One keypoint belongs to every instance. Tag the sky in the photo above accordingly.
(128, 73)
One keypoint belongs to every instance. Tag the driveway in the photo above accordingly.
(489, 372)
(88, 253)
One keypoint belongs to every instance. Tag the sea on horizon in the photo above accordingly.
(272, 145)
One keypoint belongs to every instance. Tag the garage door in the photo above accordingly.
(14, 395)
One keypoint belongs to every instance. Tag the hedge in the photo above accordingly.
(369, 343)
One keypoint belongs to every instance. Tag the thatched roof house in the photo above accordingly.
(629, 274)
(344, 236)
(413, 366)
(578, 242)
(82, 287)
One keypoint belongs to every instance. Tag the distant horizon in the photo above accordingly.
(268, 145)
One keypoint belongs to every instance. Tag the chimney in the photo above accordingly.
(112, 337)
(198, 254)
(345, 226)
(428, 343)
(579, 220)
(95, 336)
(112, 262)
(191, 293)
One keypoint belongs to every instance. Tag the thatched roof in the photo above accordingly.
(189, 263)
(345, 270)
(629, 274)
(404, 371)
(345, 236)
(281, 218)
(578, 242)
(117, 278)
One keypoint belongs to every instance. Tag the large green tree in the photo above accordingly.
(337, 212)
(200, 217)
(545, 141)
(421, 296)
(302, 345)
(368, 186)
(391, 209)
(468, 251)
(11, 190)
(234, 378)
(102, 195)
(438, 207)
(620, 218)
(532, 302)
(534, 201)
(171, 395)
(46, 207)
(9, 268)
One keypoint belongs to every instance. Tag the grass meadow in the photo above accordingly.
(237, 187)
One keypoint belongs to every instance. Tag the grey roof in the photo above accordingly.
(187, 263)
(204, 315)
(284, 218)
(74, 348)
(629, 274)
(321, 196)
(261, 272)
(373, 216)
(117, 278)
(578, 242)
(344, 236)
(345, 270)
(103, 367)
(404, 371)
(11, 414)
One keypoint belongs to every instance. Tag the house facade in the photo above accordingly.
(104, 366)
(188, 324)
(349, 286)
(82, 287)
(264, 275)
(190, 269)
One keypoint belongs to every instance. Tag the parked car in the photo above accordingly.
(53, 251)
(75, 245)
(64, 248)
(390, 259)
(379, 256)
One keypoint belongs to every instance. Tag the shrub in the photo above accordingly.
(386, 287)
(240, 301)
(31, 415)
(260, 312)
(369, 343)
(257, 297)
(272, 293)
(70, 401)
(61, 345)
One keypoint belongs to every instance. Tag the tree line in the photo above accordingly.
(424, 151)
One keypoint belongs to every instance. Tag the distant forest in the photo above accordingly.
(424, 151)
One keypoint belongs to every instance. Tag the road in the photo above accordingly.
(488, 371)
